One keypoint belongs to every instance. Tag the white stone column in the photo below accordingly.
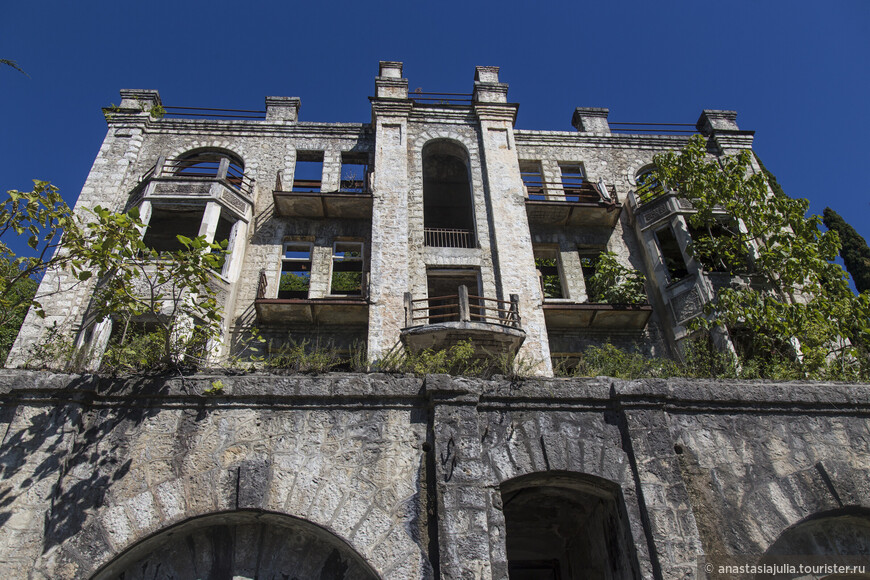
(389, 251)
(512, 252)
(210, 219)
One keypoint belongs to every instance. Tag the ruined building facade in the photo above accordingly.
(355, 234)
(435, 204)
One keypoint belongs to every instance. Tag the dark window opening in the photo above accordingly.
(443, 289)
(549, 272)
(308, 174)
(671, 254)
(566, 533)
(354, 174)
(589, 263)
(347, 269)
(448, 216)
(166, 225)
(295, 270)
(533, 179)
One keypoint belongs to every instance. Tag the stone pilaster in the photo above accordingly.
(591, 120)
(513, 257)
(390, 184)
(460, 468)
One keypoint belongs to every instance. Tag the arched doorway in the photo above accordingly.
(240, 545)
(567, 527)
(836, 538)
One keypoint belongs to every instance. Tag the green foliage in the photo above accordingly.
(854, 250)
(174, 290)
(132, 348)
(459, 359)
(13, 64)
(346, 283)
(805, 296)
(17, 297)
(303, 357)
(550, 279)
(157, 111)
(216, 388)
(613, 283)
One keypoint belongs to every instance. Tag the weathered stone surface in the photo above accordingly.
(391, 477)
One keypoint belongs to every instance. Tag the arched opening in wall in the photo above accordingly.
(209, 164)
(244, 544)
(448, 215)
(567, 527)
(832, 545)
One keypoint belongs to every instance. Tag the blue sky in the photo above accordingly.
(795, 71)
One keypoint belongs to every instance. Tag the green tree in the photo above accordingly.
(854, 250)
(173, 291)
(613, 283)
(801, 305)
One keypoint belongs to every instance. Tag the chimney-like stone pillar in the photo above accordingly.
(591, 120)
(487, 89)
(283, 109)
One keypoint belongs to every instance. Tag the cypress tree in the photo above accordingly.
(854, 250)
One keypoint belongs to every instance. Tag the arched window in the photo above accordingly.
(448, 216)
(566, 527)
(211, 164)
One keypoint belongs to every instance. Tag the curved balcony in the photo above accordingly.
(174, 180)
(439, 322)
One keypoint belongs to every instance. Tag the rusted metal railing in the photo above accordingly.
(262, 284)
(223, 169)
(575, 190)
(214, 113)
(651, 128)
(461, 307)
(441, 98)
(448, 238)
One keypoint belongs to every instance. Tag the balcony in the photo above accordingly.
(448, 238)
(345, 310)
(194, 179)
(353, 200)
(439, 322)
(594, 316)
(583, 204)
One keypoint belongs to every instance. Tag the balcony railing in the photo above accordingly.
(461, 307)
(205, 170)
(448, 238)
(422, 98)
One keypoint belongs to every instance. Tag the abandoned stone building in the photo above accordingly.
(436, 222)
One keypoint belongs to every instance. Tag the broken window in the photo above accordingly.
(549, 269)
(448, 217)
(167, 223)
(354, 173)
(533, 179)
(671, 254)
(347, 269)
(574, 184)
(308, 175)
(295, 270)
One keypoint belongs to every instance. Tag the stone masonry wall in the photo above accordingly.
(399, 477)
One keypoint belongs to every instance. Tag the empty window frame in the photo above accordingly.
(549, 269)
(347, 269)
(354, 173)
(533, 179)
(718, 247)
(167, 223)
(448, 215)
(573, 181)
(207, 164)
(589, 258)
(295, 270)
(648, 187)
(671, 254)
(308, 174)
